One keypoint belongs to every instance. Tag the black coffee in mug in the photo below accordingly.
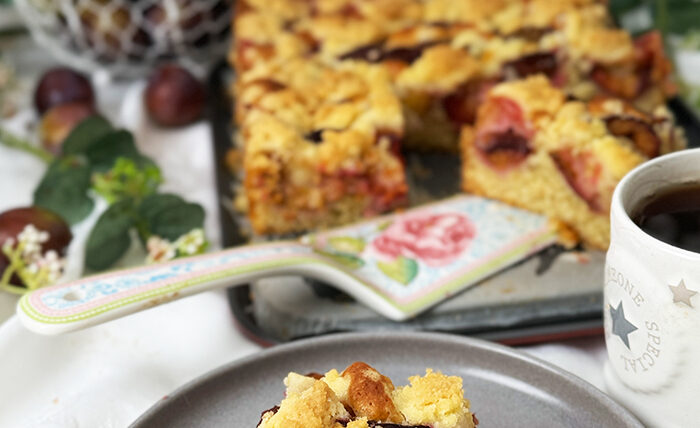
(672, 215)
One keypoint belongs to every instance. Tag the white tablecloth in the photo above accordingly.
(108, 375)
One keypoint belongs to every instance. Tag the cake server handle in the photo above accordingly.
(97, 299)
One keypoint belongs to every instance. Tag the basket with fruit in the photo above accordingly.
(127, 37)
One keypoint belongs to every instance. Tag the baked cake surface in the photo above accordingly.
(532, 148)
(361, 397)
(328, 91)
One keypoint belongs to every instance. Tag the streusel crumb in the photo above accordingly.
(361, 397)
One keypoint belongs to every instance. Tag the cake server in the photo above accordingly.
(399, 265)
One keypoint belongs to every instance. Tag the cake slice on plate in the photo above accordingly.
(361, 397)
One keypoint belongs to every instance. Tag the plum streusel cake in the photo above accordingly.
(327, 90)
(532, 148)
(361, 397)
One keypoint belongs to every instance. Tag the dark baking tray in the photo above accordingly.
(539, 326)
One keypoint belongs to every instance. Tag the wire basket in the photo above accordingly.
(127, 37)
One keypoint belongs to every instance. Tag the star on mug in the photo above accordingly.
(682, 294)
(620, 326)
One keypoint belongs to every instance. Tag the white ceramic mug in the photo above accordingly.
(652, 305)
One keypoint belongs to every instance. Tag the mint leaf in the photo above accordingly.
(172, 224)
(64, 189)
(110, 239)
(153, 204)
(669, 16)
(85, 134)
(618, 7)
(676, 16)
(103, 154)
(168, 216)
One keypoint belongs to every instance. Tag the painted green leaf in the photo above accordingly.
(384, 225)
(347, 260)
(347, 244)
(402, 269)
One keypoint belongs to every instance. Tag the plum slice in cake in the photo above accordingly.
(608, 60)
(361, 397)
(532, 148)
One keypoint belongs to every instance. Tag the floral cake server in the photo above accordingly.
(399, 265)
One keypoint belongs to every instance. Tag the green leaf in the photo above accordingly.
(118, 144)
(347, 260)
(169, 217)
(402, 269)
(64, 189)
(347, 244)
(172, 224)
(110, 239)
(618, 7)
(127, 180)
(85, 134)
(669, 16)
(153, 204)
(676, 16)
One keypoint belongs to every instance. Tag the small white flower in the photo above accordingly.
(31, 240)
(51, 256)
(43, 236)
(29, 234)
(53, 262)
(159, 250)
(7, 246)
(33, 268)
(31, 251)
(191, 243)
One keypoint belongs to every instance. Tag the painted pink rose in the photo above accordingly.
(435, 239)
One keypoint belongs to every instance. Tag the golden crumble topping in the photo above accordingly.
(327, 92)
(477, 12)
(434, 399)
(309, 404)
(361, 397)
(287, 9)
(312, 96)
(535, 95)
(440, 69)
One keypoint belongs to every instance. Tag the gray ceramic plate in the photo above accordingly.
(506, 388)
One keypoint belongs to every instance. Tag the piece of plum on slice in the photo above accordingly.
(641, 133)
(503, 134)
(582, 171)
